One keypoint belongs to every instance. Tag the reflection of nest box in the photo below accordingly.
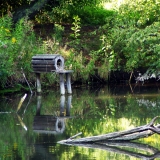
(48, 124)
(47, 63)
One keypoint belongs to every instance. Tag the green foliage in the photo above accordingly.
(18, 45)
(130, 47)
(6, 63)
(94, 15)
(76, 27)
(89, 12)
(142, 48)
(59, 30)
(132, 41)
(11, 5)
(77, 62)
(84, 65)
(52, 42)
(74, 41)
(128, 40)
(143, 12)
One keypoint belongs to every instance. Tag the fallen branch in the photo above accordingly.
(75, 135)
(26, 81)
(128, 135)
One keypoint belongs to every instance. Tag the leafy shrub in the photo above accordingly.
(94, 15)
(6, 62)
(133, 39)
(17, 46)
(131, 47)
(89, 14)
(143, 12)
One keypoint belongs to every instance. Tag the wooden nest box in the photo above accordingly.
(47, 63)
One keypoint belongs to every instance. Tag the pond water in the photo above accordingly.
(32, 130)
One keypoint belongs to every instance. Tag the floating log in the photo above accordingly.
(128, 135)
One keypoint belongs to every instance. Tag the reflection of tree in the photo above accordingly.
(91, 112)
(92, 116)
(14, 136)
(13, 129)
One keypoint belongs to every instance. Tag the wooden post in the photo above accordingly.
(38, 83)
(39, 101)
(62, 87)
(62, 102)
(69, 101)
(67, 73)
(68, 81)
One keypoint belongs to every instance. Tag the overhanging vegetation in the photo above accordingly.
(93, 40)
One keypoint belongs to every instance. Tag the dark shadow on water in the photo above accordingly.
(136, 88)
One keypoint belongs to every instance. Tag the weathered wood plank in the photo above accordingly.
(45, 56)
(48, 62)
(64, 71)
(44, 66)
(42, 70)
(43, 62)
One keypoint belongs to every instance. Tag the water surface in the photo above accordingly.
(33, 130)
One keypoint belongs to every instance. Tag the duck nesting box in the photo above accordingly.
(47, 63)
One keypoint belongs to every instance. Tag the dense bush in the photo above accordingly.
(133, 40)
(124, 38)
(94, 15)
(143, 12)
(17, 45)
(91, 13)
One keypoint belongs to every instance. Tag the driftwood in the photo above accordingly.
(128, 135)
(119, 142)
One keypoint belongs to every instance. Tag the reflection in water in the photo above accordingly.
(93, 112)
(125, 148)
(49, 123)
(62, 106)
